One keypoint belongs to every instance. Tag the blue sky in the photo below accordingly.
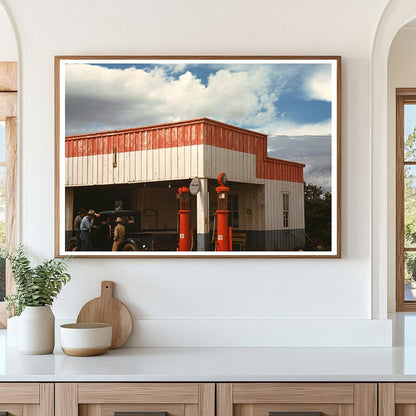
(409, 119)
(287, 101)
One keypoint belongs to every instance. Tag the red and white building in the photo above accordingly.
(143, 167)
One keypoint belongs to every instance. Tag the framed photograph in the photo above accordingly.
(198, 156)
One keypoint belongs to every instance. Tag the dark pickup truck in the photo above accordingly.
(136, 239)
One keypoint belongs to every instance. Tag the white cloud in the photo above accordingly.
(117, 98)
(282, 127)
(318, 86)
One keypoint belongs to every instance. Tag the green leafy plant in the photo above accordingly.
(35, 286)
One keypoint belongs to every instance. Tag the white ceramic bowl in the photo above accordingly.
(83, 340)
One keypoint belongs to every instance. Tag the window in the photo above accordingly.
(406, 199)
(8, 164)
(233, 210)
(285, 209)
(2, 206)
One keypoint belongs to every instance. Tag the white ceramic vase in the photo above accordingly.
(37, 330)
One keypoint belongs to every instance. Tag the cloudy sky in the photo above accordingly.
(291, 102)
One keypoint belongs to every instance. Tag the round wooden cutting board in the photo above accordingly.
(108, 310)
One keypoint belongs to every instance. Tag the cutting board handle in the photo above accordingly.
(107, 288)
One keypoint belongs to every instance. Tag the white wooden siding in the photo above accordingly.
(274, 204)
(161, 164)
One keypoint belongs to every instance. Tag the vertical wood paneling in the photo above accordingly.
(162, 154)
(66, 399)
(175, 163)
(225, 399)
(78, 164)
(181, 161)
(200, 155)
(386, 399)
(11, 199)
(187, 158)
(47, 399)
(365, 399)
(168, 164)
(104, 164)
(144, 157)
(95, 162)
(134, 172)
(207, 399)
(152, 166)
(274, 207)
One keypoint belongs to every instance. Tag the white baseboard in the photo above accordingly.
(261, 333)
(256, 332)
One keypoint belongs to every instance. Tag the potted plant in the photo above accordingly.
(36, 289)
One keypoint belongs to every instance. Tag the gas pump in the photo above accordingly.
(185, 232)
(224, 239)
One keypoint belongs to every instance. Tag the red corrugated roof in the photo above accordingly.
(187, 133)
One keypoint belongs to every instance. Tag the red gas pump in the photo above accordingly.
(224, 239)
(185, 232)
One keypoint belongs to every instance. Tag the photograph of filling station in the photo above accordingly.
(165, 155)
(148, 169)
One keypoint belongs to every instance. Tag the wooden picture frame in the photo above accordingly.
(198, 156)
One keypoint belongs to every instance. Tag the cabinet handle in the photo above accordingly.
(138, 414)
(295, 413)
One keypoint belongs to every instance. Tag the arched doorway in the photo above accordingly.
(8, 148)
(397, 14)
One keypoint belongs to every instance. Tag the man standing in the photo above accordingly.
(119, 234)
(77, 224)
(86, 227)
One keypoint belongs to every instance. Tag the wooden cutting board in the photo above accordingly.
(108, 310)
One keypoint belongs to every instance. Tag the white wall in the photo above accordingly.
(8, 46)
(213, 301)
(401, 74)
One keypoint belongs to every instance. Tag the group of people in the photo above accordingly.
(84, 224)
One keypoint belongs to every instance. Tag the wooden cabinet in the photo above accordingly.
(268, 399)
(27, 399)
(106, 399)
(207, 399)
(397, 399)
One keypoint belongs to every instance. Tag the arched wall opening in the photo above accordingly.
(8, 44)
(9, 53)
(401, 73)
(397, 14)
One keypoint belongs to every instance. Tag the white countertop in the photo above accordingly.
(214, 364)
(221, 364)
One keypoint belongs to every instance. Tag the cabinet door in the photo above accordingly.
(397, 399)
(26, 399)
(135, 399)
(297, 399)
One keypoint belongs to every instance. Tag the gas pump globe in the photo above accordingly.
(224, 241)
